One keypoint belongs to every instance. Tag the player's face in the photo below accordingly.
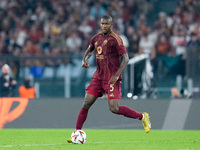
(106, 25)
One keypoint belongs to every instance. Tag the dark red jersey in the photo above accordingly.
(108, 54)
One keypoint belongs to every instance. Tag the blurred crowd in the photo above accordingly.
(64, 28)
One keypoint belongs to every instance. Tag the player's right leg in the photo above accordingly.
(69, 140)
(82, 116)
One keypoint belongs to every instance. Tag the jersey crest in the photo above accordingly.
(99, 50)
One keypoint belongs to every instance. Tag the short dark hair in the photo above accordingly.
(107, 17)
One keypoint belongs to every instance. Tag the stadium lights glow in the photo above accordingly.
(129, 95)
(135, 97)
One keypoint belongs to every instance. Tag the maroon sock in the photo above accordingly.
(128, 112)
(82, 116)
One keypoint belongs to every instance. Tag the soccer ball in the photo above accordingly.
(78, 137)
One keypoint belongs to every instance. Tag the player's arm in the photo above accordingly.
(123, 65)
(87, 55)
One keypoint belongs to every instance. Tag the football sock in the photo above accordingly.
(82, 116)
(128, 112)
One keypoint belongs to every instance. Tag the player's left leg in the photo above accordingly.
(123, 110)
(130, 113)
(146, 122)
(114, 95)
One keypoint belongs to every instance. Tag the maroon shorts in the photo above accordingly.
(99, 87)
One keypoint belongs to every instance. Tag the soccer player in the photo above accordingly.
(111, 58)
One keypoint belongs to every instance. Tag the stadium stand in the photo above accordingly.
(37, 34)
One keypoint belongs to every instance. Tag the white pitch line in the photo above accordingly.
(113, 142)
(32, 145)
(52, 144)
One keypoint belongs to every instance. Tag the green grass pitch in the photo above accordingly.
(97, 139)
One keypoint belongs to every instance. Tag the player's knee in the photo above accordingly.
(89, 100)
(114, 109)
(87, 104)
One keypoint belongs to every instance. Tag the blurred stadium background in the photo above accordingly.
(46, 39)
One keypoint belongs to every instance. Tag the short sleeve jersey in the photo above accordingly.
(108, 51)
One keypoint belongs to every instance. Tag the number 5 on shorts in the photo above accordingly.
(112, 87)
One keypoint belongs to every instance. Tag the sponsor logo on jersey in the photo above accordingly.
(99, 57)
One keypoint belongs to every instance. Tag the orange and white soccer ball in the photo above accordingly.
(78, 137)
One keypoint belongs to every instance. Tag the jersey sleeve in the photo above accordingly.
(121, 49)
(92, 46)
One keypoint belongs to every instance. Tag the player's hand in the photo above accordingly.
(85, 64)
(113, 79)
